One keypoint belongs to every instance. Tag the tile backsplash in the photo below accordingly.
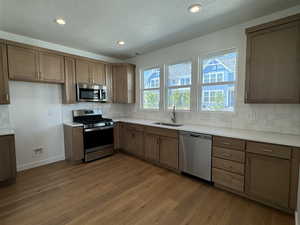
(4, 117)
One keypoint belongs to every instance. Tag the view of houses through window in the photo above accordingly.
(179, 81)
(151, 88)
(217, 84)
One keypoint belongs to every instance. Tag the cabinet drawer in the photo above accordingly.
(162, 132)
(229, 143)
(279, 151)
(229, 154)
(230, 180)
(229, 166)
(135, 127)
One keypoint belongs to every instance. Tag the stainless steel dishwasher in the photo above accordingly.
(195, 154)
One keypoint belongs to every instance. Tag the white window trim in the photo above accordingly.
(142, 89)
(166, 87)
(200, 80)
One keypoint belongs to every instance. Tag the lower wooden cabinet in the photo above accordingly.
(74, 148)
(268, 179)
(151, 147)
(155, 145)
(7, 159)
(168, 152)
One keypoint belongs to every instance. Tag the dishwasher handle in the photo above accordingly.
(196, 135)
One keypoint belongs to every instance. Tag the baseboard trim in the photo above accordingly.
(296, 218)
(40, 163)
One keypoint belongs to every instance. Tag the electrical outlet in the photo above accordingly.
(37, 152)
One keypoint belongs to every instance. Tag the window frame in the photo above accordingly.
(200, 83)
(166, 87)
(143, 89)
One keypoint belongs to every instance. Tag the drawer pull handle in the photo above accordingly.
(226, 143)
(267, 150)
(226, 154)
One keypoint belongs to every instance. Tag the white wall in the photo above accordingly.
(36, 115)
(275, 118)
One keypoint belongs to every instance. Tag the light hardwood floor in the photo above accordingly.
(122, 190)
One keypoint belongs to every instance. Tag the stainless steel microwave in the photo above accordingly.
(91, 93)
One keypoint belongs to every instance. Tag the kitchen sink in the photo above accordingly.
(168, 124)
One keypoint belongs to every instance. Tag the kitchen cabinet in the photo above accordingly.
(27, 63)
(134, 140)
(123, 83)
(4, 89)
(69, 88)
(51, 67)
(7, 159)
(151, 146)
(22, 63)
(268, 179)
(228, 163)
(273, 52)
(109, 82)
(168, 152)
(90, 72)
(74, 147)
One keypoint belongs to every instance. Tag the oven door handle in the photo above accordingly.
(97, 128)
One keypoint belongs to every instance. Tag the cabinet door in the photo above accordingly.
(99, 73)
(4, 91)
(119, 84)
(168, 152)
(109, 82)
(273, 65)
(69, 88)
(83, 71)
(22, 63)
(51, 67)
(151, 147)
(138, 143)
(7, 158)
(268, 179)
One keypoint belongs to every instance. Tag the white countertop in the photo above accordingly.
(72, 124)
(6, 131)
(251, 135)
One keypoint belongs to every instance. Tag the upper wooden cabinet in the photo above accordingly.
(123, 83)
(51, 67)
(27, 63)
(69, 88)
(22, 63)
(273, 68)
(4, 90)
(90, 72)
(7, 159)
(109, 82)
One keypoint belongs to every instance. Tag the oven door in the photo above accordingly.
(98, 138)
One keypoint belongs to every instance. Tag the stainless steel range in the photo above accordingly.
(97, 133)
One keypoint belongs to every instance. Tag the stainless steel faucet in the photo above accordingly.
(173, 114)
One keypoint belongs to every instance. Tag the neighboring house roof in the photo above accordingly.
(153, 76)
(226, 63)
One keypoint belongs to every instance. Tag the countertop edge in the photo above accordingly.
(249, 135)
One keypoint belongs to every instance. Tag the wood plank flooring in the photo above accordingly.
(122, 190)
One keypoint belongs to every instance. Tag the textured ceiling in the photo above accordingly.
(96, 25)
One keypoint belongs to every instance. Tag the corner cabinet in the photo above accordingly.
(7, 159)
(273, 68)
(123, 83)
(4, 90)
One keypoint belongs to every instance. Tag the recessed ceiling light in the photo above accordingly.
(195, 8)
(60, 21)
(121, 43)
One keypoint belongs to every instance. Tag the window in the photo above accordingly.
(218, 82)
(179, 78)
(150, 91)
